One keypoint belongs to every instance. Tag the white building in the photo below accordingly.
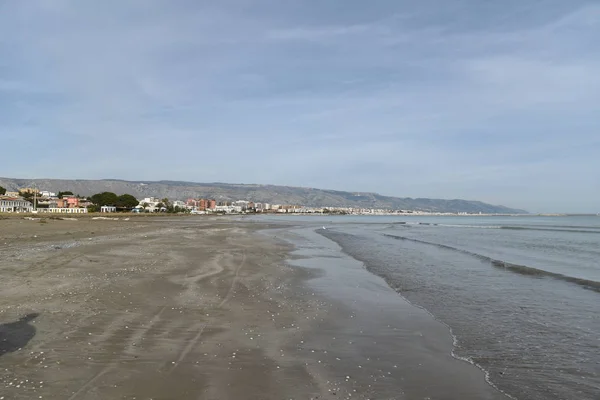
(228, 209)
(108, 209)
(150, 200)
(243, 204)
(54, 210)
(47, 194)
(14, 204)
(149, 204)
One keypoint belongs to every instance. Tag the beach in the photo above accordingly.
(209, 308)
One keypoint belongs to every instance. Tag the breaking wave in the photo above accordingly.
(548, 228)
(516, 268)
(568, 229)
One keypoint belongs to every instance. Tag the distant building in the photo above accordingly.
(72, 202)
(47, 204)
(150, 200)
(61, 203)
(47, 194)
(243, 204)
(14, 204)
(30, 190)
(55, 210)
(192, 203)
(68, 202)
(149, 204)
(201, 205)
(108, 209)
(228, 209)
(85, 203)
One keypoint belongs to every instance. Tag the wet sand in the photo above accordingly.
(207, 308)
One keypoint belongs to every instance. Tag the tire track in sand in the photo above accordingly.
(127, 348)
(227, 297)
(188, 348)
(91, 381)
(233, 281)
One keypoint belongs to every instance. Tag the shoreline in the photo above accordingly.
(496, 312)
(343, 282)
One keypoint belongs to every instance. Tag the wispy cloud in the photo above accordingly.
(447, 99)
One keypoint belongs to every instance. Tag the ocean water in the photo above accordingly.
(521, 295)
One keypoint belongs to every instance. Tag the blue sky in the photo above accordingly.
(491, 100)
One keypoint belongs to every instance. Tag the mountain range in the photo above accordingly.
(272, 194)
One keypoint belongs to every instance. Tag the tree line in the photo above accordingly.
(124, 202)
(127, 202)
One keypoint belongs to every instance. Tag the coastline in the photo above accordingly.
(208, 309)
(394, 349)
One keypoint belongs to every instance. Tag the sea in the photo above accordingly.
(520, 295)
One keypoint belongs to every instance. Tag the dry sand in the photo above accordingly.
(180, 308)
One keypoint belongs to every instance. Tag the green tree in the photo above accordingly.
(104, 199)
(126, 201)
(27, 196)
(2, 191)
(63, 194)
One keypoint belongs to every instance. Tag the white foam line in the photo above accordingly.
(455, 345)
(454, 338)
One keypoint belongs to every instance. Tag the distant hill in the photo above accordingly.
(258, 193)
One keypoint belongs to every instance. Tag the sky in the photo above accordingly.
(496, 101)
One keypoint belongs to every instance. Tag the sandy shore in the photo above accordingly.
(200, 308)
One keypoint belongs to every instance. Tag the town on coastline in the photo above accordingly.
(33, 200)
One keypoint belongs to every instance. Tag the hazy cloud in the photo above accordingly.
(495, 101)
